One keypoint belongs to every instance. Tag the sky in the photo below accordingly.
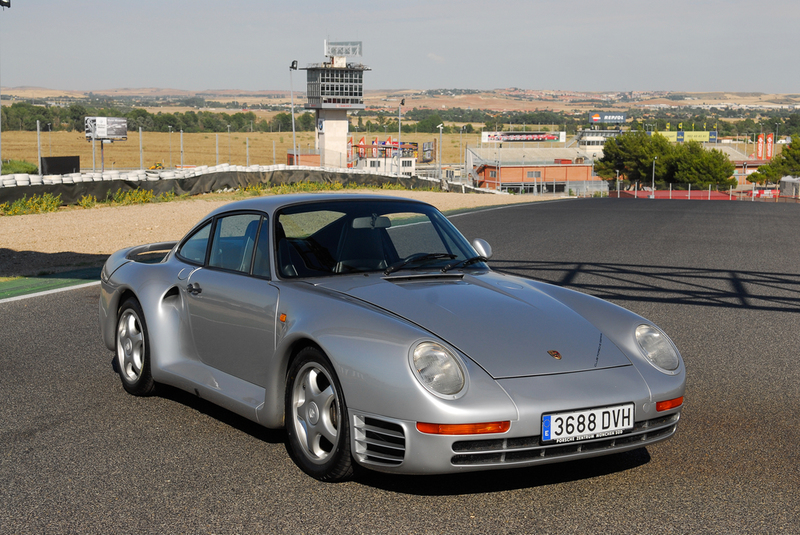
(577, 45)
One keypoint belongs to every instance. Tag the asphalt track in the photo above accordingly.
(77, 454)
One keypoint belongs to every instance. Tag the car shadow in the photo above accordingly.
(426, 485)
(621, 283)
(33, 263)
(506, 479)
(240, 423)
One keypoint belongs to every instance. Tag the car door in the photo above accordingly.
(231, 302)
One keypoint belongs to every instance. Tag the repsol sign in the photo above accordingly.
(616, 118)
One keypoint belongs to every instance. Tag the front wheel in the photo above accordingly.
(133, 350)
(316, 418)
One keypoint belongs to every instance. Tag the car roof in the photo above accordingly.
(272, 203)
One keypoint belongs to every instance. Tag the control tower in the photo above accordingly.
(334, 88)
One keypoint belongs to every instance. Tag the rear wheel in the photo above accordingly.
(316, 418)
(133, 350)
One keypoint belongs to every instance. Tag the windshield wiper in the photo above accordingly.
(464, 263)
(419, 257)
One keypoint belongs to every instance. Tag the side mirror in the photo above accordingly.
(482, 248)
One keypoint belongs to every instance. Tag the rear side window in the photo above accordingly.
(194, 249)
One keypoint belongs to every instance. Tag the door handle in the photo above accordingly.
(194, 289)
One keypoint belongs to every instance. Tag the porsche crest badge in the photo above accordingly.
(555, 354)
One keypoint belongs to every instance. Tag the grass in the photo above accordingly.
(255, 190)
(12, 167)
(199, 148)
(48, 203)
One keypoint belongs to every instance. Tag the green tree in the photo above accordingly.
(282, 122)
(305, 122)
(691, 163)
(632, 154)
(429, 124)
(494, 124)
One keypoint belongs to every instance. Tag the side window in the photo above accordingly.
(261, 263)
(234, 241)
(194, 249)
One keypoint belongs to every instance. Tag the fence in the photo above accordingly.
(687, 192)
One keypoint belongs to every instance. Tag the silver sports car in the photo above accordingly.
(376, 334)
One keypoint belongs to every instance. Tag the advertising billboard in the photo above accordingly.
(608, 117)
(427, 151)
(522, 137)
(760, 147)
(682, 136)
(114, 128)
(770, 146)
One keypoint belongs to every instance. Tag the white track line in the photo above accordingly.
(48, 292)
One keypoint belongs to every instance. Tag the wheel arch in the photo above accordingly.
(110, 313)
(271, 414)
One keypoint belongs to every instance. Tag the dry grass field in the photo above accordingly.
(496, 100)
(268, 148)
(199, 149)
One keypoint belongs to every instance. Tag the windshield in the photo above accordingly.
(353, 236)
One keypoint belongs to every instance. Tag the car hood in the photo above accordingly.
(504, 324)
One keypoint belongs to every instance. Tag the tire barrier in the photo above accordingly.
(194, 181)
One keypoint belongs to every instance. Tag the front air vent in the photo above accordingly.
(378, 441)
(528, 449)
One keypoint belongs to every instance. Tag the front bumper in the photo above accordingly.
(395, 445)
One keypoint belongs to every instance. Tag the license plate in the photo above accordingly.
(574, 426)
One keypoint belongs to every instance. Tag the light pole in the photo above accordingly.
(50, 128)
(745, 171)
(229, 144)
(439, 152)
(653, 189)
(170, 146)
(4, 5)
(399, 134)
(293, 67)
(460, 152)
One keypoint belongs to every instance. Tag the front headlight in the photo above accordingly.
(437, 369)
(657, 347)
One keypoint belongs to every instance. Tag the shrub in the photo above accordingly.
(87, 201)
(35, 205)
(136, 196)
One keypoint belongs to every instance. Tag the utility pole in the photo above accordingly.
(3, 3)
(399, 134)
(293, 67)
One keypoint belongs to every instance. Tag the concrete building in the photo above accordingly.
(382, 157)
(335, 87)
(533, 170)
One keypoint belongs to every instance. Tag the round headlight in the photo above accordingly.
(437, 369)
(657, 347)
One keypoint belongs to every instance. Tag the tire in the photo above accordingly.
(317, 426)
(133, 350)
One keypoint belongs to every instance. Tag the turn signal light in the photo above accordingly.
(669, 404)
(463, 429)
